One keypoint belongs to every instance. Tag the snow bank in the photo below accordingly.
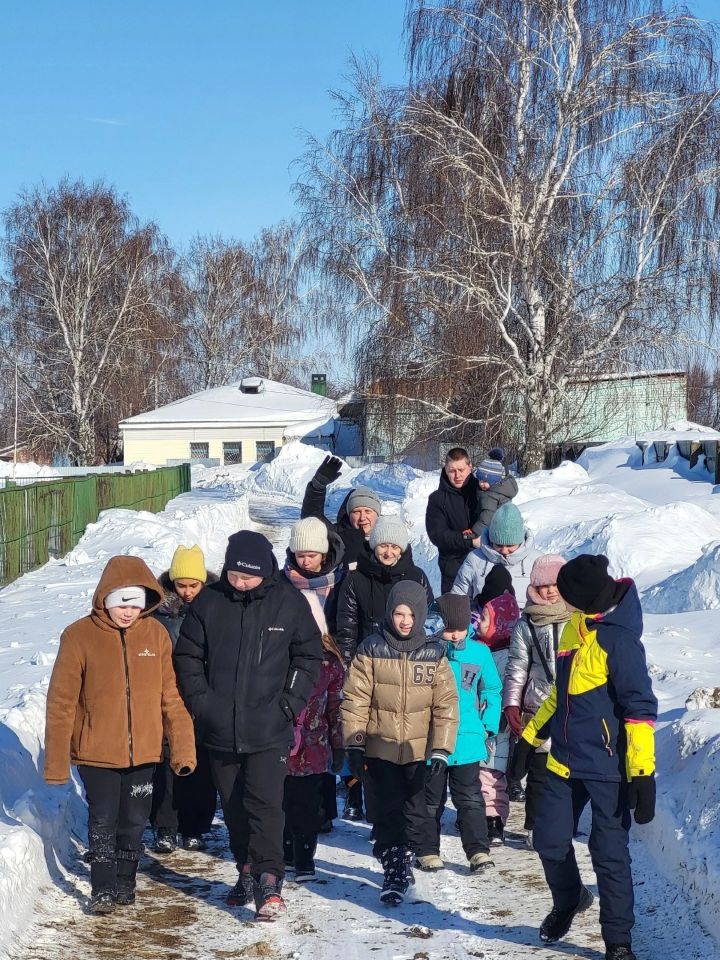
(695, 588)
(685, 834)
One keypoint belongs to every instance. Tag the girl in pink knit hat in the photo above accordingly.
(530, 673)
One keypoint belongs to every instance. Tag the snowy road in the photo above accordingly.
(180, 912)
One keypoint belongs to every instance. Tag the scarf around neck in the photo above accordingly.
(320, 583)
(545, 614)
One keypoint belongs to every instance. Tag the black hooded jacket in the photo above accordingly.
(246, 663)
(364, 595)
(449, 513)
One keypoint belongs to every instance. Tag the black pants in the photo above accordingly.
(464, 784)
(399, 800)
(328, 803)
(534, 786)
(251, 787)
(184, 804)
(562, 803)
(118, 808)
(302, 804)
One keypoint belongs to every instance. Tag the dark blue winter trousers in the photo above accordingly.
(562, 803)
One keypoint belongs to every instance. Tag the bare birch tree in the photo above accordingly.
(242, 304)
(539, 205)
(86, 285)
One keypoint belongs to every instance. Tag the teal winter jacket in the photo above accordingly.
(480, 695)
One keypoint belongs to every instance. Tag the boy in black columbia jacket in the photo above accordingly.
(600, 716)
(247, 659)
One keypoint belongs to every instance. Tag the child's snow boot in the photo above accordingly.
(516, 791)
(429, 863)
(102, 903)
(496, 831)
(270, 905)
(126, 878)
(165, 841)
(242, 893)
(557, 923)
(304, 852)
(480, 861)
(396, 881)
(619, 951)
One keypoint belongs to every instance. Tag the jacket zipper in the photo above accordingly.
(260, 647)
(607, 737)
(404, 700)
(127, 696)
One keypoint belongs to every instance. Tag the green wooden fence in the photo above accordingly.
(46, 519)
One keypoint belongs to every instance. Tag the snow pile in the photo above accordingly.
(288, 474)
(24, 470)
(697, 587)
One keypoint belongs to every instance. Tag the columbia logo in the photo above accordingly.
(146, 653)
(277, 629)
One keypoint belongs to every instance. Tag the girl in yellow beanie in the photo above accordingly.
(186, 805)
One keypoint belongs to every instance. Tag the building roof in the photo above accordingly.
(276, 404)
(680, 430)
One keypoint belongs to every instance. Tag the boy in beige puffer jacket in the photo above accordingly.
(400, 708)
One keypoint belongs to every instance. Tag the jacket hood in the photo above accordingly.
(172, 605)
(513, 559)
(335, 554)
(369, 564)
(627, 615)
(126, 572)
(504, 613)
(413, 595)
(469, 487)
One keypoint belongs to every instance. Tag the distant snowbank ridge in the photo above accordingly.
(659, 524)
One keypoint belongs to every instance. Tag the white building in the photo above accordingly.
(241, 423)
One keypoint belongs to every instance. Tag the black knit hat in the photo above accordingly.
(454, 608)
(584, 583)
(497, 582)
(250, 552)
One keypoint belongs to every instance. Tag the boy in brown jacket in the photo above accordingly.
(112, 695)
(400, 708)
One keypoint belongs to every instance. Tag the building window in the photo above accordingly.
(232, 453)
(199, 451)
(265, 450)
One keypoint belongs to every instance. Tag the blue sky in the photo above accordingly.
(194, 110)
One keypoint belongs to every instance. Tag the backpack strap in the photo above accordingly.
(536, 642)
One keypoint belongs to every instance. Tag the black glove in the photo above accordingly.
(523, 752)
(328, 471)
(338, 761)
(641, 798)
(438, 762)
(356, 762)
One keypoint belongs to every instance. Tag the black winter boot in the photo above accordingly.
(398, 875)
(619, 951)
(304, 852)
(126, 878)
(242, 893)
(557, 923)
(516, 791)
(270, 905)
(495, 830)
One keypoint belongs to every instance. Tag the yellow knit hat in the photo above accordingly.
(188, 563)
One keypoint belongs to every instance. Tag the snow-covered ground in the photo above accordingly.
(659, 524)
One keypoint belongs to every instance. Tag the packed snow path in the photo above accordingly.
(181, 912)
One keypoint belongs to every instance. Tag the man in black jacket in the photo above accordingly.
(356, 517)
(247, 659)
(451, 512)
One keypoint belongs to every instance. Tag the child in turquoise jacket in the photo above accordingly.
(480, 694)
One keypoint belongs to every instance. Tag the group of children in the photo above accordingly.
(408, 714)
